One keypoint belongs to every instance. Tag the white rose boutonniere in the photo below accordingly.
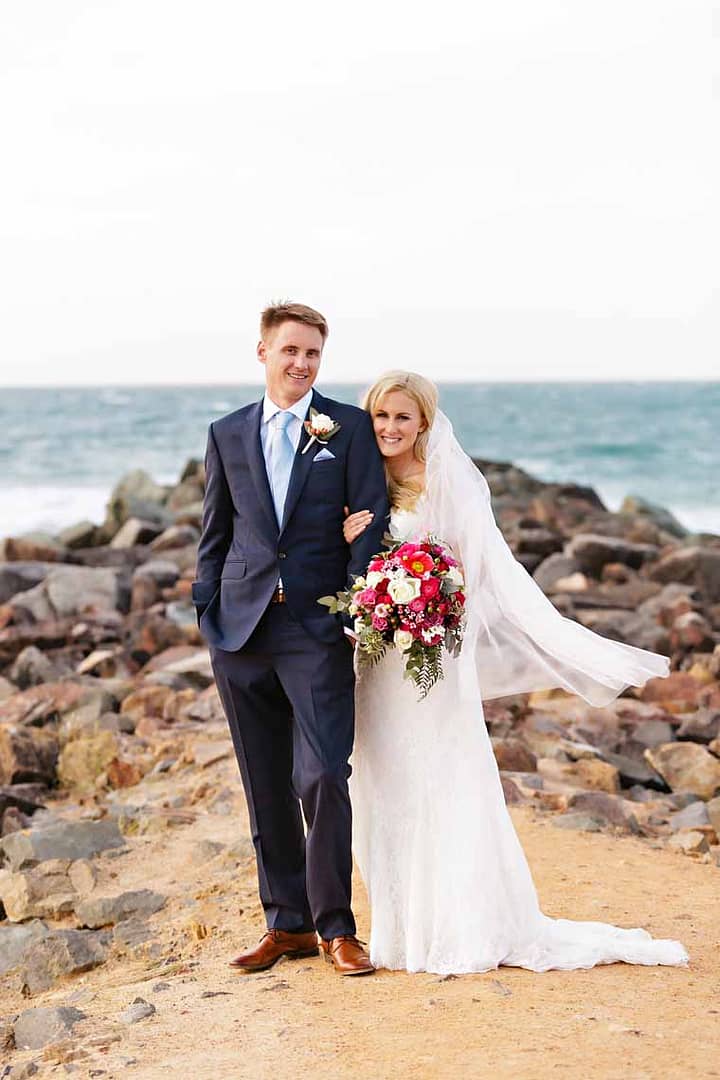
(320, 428)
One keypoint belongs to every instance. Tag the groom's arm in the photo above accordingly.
(216, 533)
(366, 490)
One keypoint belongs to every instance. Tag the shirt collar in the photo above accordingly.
(299, 409)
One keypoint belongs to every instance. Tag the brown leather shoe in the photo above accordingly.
(273, 945)
(347, 955)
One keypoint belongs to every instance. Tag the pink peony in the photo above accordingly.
(379, 623)
(366, 598)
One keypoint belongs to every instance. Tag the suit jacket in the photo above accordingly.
(242, 550)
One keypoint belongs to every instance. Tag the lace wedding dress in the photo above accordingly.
(450, 889)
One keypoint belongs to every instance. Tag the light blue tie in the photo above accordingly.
(282, 455)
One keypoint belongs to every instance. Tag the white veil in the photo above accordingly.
(515, 640)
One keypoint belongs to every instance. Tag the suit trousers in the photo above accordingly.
(289, 701)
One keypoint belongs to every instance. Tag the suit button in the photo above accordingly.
(282, 555)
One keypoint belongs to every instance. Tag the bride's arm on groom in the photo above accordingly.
(366, 490)
(216, 535)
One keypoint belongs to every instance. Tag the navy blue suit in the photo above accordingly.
(284, 671)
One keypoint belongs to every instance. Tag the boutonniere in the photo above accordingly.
(320, 428)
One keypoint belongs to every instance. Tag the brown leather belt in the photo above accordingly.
(278, 597)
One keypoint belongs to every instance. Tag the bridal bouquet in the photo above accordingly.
(411, 598)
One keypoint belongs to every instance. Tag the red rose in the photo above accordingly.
(430, 587)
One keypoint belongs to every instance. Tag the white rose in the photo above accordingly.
(403, 640)
(322, 423)
(455, 576)
(432, 634)
(374, 578)
(404, 589)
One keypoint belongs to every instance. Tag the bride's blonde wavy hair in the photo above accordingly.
(403, 494)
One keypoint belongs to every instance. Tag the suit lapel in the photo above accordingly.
(256, 462)
(301, 466)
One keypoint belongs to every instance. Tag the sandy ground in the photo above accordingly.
(301, 1019)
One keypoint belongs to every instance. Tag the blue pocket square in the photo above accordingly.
(324, 455)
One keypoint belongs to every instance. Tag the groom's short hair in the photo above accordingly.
(275, 314)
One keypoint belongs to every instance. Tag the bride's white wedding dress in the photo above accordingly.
(449, 887)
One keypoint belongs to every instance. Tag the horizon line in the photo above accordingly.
(672, 381)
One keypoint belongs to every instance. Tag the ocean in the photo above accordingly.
(62, 450)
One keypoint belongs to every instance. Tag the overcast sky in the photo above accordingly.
(510, 190)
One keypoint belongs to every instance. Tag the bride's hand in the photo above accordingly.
(355, 524)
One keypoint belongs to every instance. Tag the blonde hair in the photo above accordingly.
(404, 493)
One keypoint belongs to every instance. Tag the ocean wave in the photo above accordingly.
(49, 509)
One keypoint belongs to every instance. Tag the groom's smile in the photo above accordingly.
(291, 354)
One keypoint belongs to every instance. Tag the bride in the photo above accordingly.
(449, 887)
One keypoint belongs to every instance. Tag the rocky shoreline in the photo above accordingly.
(112, 736)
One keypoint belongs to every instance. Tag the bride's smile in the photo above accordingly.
(397, 421)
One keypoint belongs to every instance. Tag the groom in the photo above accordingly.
(272, 544)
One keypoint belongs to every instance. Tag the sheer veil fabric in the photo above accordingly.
(450, 889)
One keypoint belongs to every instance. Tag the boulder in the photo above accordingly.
(553, 569)
(135, 495)
(537, 541)
(135, 531)
(82, 760)
(146, 701)
(578, 820)
(652, 732)
(32, 547)
(593, 774)
(101, 911)
(32, 668)
(17, 577)
(690, 842)
(138, 1010)
(161, 571)
(691, 631)
(687, 767)
(73, 590)
(185, 494)
(592, 551)
(696, 566)
(607, 808)
(46, 891)
(513, 755)
(65, 840)
(176, 536)
(678, 692)
(713, 811)
(27, 755)
(62, 952)
(636, 506)
(15, 940)
(701, 726)
(80, 535)
(35, 1028)
(691, 817)
(27, 798)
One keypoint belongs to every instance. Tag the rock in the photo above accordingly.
(135, 531)
(554, 569)
(589, 773)
(123, 774)
(592, 551)
(73, 590)
(144, 593)
(138, 1010)
(689, 842)
(207, 707)
(577, 820)
(176, 703)
(85, 719)
(691, 631)
(17, 577)
(27, 755)
(101, 911)
(16, 939)
(45, 891)
(608, 808)
(196, 668)
(513, 755)
(132, 932)
(148, 633)
(694, 815)
(161, 571)
(713, 811)
(66, 840)
(697, 566)
(146, 701)
(687, 767)
(205, 850)
(633, 772)
(27, 798)
(32, 547)
(82, 760)
(35, 1028)
(7, 689)
(62, 952)
(652, 732)
(33, 667)
(135, 494)
(175, 537)
(80, 535)
(678, 692)
(636, 506)
(701, 726)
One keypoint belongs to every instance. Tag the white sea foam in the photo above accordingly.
(49, 509)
